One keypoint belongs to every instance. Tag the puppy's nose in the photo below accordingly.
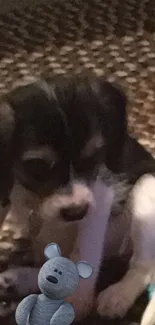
(74, 212)
(52, 279)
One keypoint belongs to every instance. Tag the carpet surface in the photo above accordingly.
(113, 38)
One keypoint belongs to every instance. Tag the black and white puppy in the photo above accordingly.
(69, 166)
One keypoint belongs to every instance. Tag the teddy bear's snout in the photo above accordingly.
(52, 279)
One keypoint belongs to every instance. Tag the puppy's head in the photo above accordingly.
(56, 134)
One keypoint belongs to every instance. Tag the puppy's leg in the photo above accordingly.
(118, 298)
(16, 249)
(89, 246)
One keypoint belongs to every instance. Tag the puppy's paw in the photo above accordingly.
(150, 320)
(7, 312)
(115, 301)
(18, 282)
(148, 317)
(8, 282)
(143, 197)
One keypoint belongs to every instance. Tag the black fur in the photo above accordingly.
(63, 113)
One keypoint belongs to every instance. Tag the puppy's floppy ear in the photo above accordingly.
(7, 123)
(111, 111)
(52, 250)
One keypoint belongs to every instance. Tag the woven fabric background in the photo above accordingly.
(113, 38)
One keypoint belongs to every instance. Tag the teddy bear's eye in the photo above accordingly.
(55, 270)
(60, 272)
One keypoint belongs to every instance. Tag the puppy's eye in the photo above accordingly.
(56, 270)
(38, 168)
(60, 273)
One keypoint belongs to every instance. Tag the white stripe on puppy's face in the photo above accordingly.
(89, 245)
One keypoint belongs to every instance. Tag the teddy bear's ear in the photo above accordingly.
(52, 250)
(85, 270)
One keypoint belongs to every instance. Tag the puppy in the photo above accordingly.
(68, 167)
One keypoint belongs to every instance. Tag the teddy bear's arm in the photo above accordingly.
(24, 308)
(64, 315)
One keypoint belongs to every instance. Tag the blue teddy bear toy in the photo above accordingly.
(58, 278)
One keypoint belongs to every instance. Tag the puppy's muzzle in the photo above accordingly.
(72, 206)
(74, 212)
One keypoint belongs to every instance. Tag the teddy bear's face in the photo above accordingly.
(58, 278)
